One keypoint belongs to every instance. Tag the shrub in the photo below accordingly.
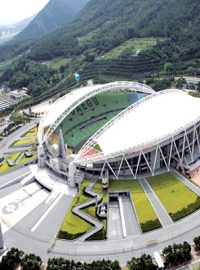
(69, 236)
(186, 210)
(150, 225)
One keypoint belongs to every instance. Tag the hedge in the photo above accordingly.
(150, 225)
(186, 210)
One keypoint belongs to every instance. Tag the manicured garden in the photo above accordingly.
(146, 215)
(6, 167)
(178, 200)
(24, 141)
(32, 132)
(73, 226)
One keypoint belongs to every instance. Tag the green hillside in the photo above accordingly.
(109, 40)
(53, 15)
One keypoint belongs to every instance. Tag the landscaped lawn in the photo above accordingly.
(32, 132)
(173, 194)
(73, 225)
(5, 167)
(144, 210)
(98, 188)
(24, 141)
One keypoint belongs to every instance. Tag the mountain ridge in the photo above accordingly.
(54, 14)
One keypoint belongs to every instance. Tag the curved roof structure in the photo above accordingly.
(60, 109)
(145, 123)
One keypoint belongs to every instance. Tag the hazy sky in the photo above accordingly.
(12, 11)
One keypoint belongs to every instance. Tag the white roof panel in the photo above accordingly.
(62, 107)
(158, 116)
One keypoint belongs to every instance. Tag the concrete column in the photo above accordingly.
(1, 240)
(62, 147)
(72, 172)
(153, 155)
(41, 156)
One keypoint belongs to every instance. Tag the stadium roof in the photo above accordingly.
(145, 123)
(61, 108)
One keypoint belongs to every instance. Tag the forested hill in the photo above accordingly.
(109, 39)
(54, 14)
(105, 24)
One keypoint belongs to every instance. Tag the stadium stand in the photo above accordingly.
(92, 114)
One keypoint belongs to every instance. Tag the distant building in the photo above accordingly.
(18, 94)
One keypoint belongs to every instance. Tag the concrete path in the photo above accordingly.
(52, 222)
(98, 226)
(162, 214)
(114, 227)
(186, 182)
(130, 220)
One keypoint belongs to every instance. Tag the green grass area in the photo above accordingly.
(98, 188)
(173, 194)
(73, 226)
(144, 210)
(24, 141)
(56, 63)
(5, 167)
(133, 47)
(100, 235)
(32, 132)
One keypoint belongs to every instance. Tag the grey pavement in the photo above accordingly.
(186, 182)
(122, 249)
(114, 227)
(51, 224)
(13, 174)
(8, 190)
(29, 221)
(130, 219)
(162, 214)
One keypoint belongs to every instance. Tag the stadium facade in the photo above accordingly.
(120, 130)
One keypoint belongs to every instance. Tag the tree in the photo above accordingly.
(144, 262)
(12, 259)
(197, 243)
(177, 253)
(31, 262)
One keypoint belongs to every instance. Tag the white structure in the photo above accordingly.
(61, 108)
(157, 132)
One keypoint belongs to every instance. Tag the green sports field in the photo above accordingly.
(173, 194)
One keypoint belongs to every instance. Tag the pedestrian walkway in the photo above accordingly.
(163, 216)
(94, 221)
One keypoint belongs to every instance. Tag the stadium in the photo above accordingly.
(120, 130)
